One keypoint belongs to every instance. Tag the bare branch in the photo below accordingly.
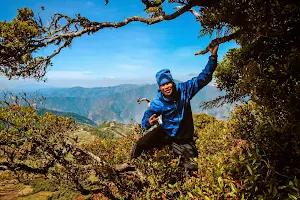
(10, 99)
(196, 14)
(91, 155)
(218, 41)
(139, 100)
(96, 26)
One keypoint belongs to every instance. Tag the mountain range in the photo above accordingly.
(117, 103)
(81, 120)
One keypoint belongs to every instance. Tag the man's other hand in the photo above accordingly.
(153, 120)
(213, 50)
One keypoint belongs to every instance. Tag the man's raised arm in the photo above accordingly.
(197, 83)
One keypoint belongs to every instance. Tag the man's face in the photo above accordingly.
(167, 89)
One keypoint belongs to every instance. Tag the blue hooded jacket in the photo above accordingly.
(177, 119)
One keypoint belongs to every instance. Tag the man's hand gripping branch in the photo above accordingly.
(213, 50)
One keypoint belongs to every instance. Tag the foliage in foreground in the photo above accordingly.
(228, 167)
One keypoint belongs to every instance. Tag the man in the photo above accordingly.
(173, 104)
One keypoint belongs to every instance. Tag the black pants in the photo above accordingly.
(157, 138)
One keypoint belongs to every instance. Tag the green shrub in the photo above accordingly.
(229, 167)
(202, 120)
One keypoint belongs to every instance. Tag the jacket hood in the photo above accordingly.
(164, 76)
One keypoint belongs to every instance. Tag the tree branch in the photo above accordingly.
(21, 61)
(218, 41)
(96, 26)
(139, 100)
(91, 155)
(196, 14)
(62, 36)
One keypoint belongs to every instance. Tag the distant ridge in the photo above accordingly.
(81, 120)
(31, 88)
(119, 103)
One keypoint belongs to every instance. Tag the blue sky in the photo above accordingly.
(131, 54)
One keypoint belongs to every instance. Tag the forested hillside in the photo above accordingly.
(78, 118)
